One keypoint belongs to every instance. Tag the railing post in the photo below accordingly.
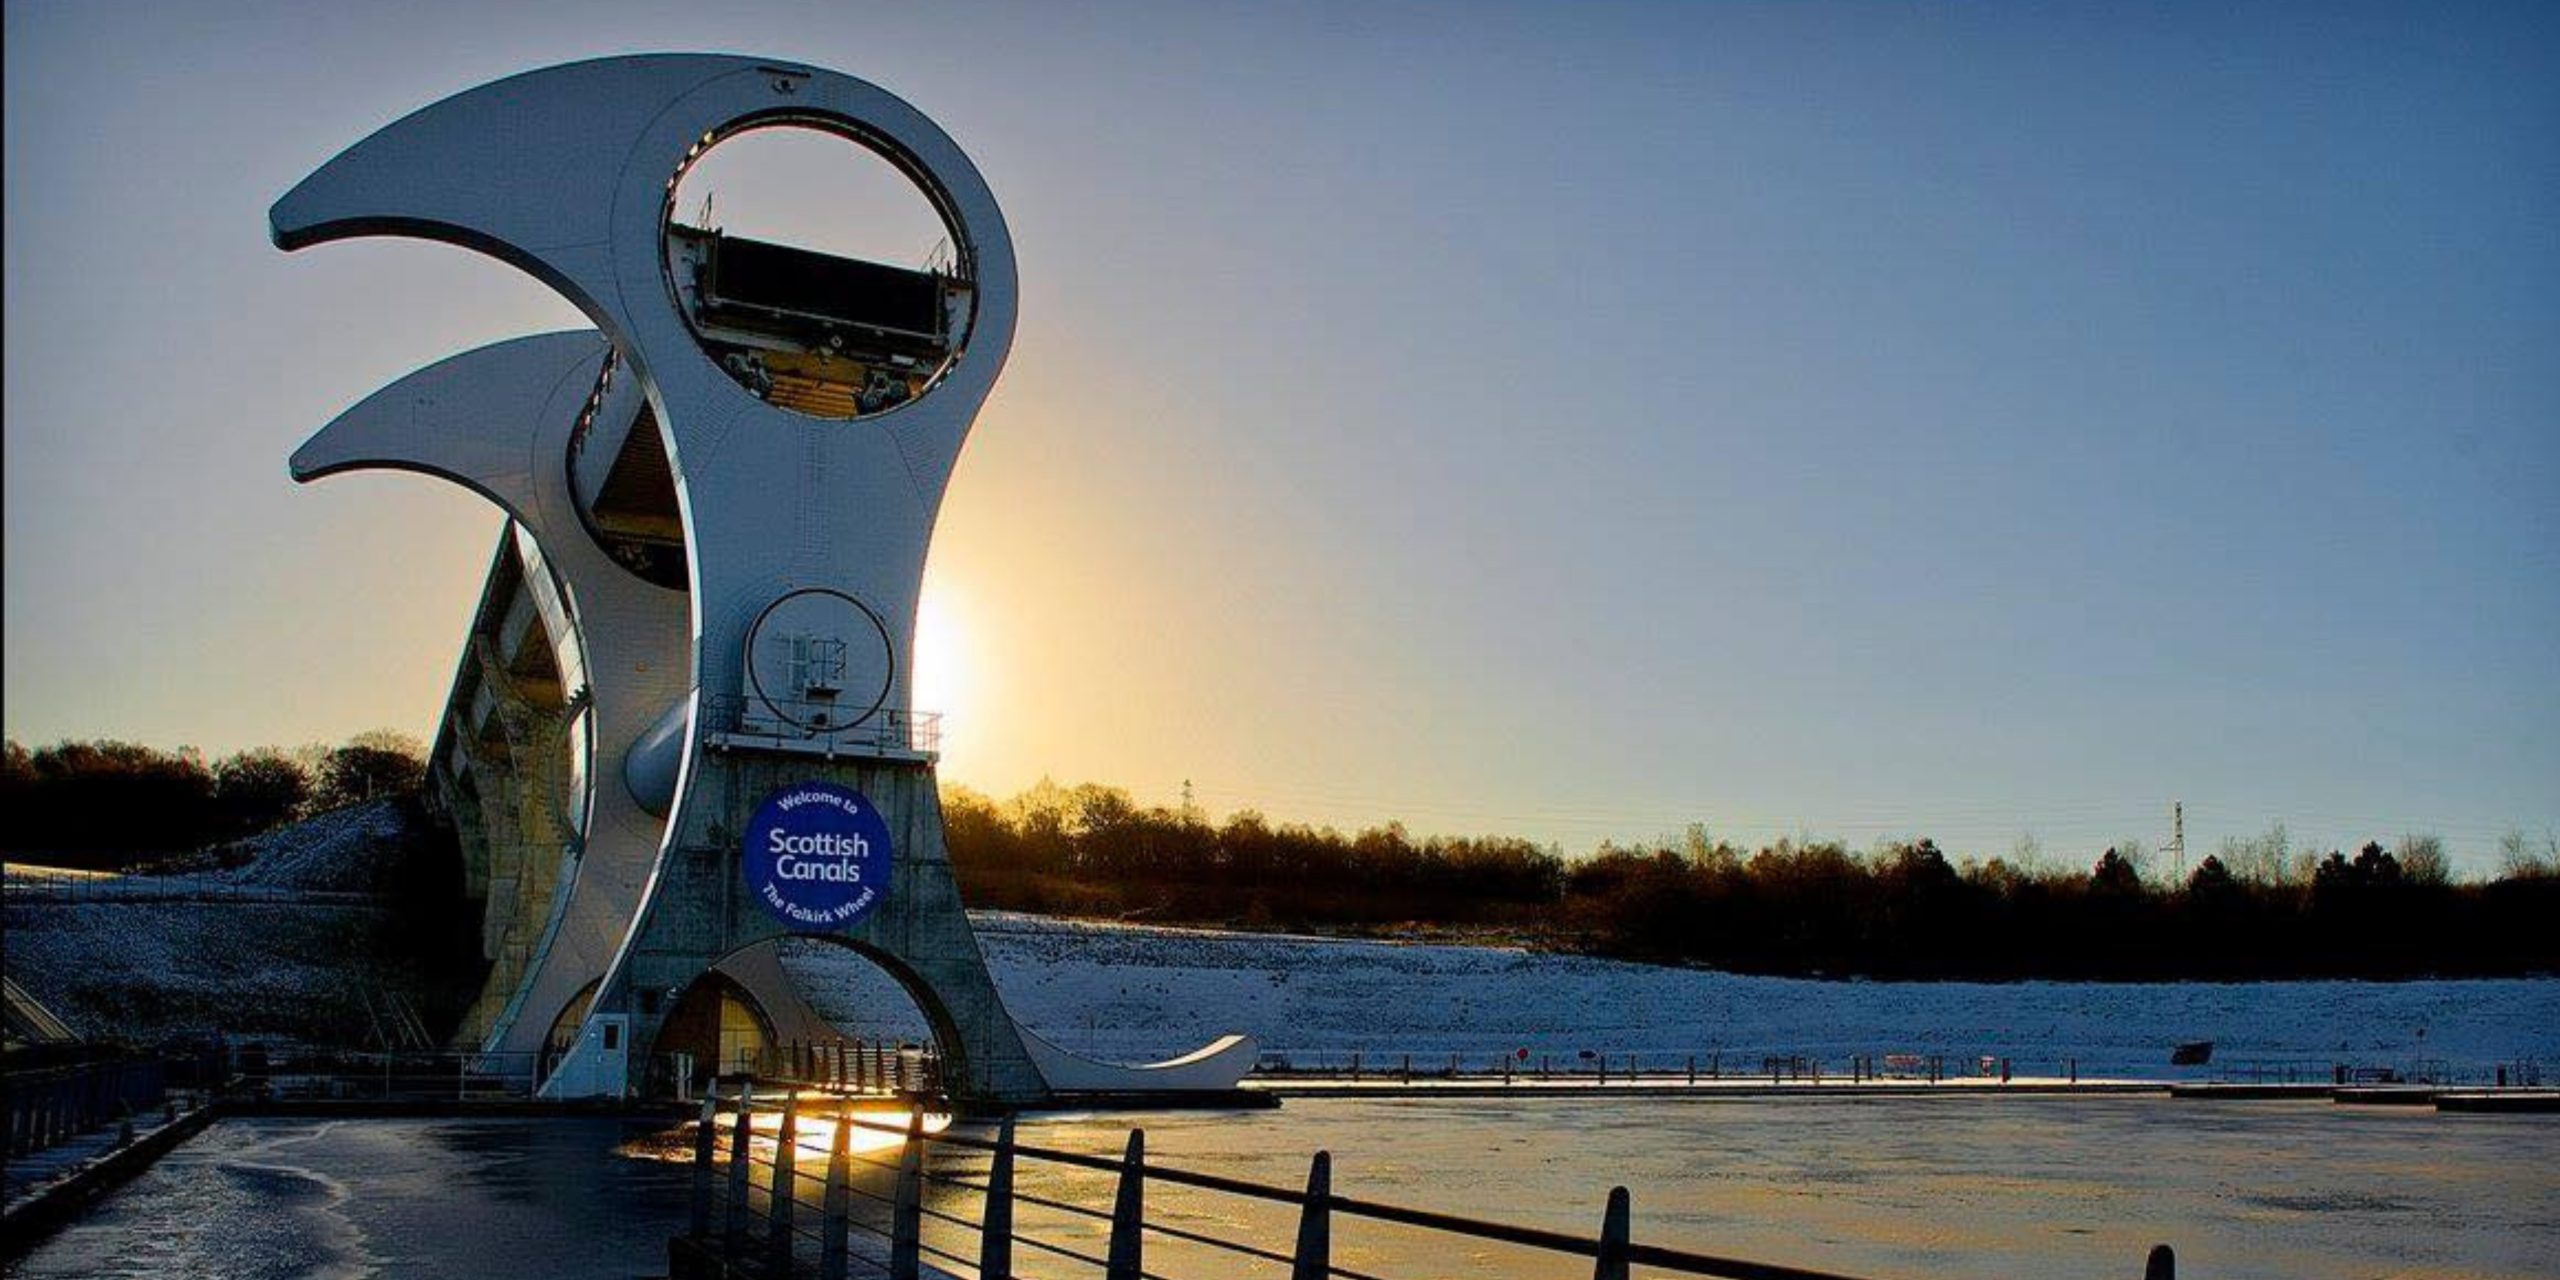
(861, 1069)
(995, 1227)
(706, 1142)
(2161, 1265)
(1126, 1257)
(839, 1202)
(906, 1205)
(1314, 1259)
(1613, 1239)
(786, 1188)
(734, 1225)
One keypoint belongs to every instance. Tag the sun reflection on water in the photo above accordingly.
(876, 1126)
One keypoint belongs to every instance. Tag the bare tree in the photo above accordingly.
(2422, 860)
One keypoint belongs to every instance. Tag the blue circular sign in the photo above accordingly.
(817, 855)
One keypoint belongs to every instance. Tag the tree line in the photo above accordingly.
(113, 805)
(1091, 850)
(2257, 908)
(2254, 909)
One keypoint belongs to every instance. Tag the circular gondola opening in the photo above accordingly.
(814, 269)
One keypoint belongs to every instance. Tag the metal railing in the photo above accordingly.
(1589, 1068)
(1321, 1069)
(747, 1209)
(819, 727)
(25, 883)
(48, 1106)
(421, 1076)
(855, 1068)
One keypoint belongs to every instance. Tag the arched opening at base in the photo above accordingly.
(825, 991)
(715, 1028)
(855, 995)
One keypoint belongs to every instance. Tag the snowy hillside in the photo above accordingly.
(1138, 994)
(275, 938)
(277, 945)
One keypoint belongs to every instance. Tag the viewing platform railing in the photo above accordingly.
(819, 728)
(788, 1202)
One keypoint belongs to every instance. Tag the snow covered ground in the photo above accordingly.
(1138, 994)
(266, 939)
(264, 948)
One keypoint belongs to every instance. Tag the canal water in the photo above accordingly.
(1905, 1187)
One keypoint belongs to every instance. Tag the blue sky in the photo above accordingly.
(1977, 420)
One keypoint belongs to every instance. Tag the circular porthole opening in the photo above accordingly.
(815, 271)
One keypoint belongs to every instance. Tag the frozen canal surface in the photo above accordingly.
(266, 1199)
(1905, 1188)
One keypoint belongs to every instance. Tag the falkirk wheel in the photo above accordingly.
(693, 655)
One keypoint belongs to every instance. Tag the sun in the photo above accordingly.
(944, 674)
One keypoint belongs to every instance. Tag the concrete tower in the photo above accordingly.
(757, 440)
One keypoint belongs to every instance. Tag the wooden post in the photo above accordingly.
(837, 1208)
(861, 1069)
(1613, 1239)
(734, 1229)
(786, 1188)
(995, 1228)
(906, 1205)
(1127, 1255)
(1314, 1259)
(2161, 1265)
(706, 1145)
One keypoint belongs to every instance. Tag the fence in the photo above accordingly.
(1743, 1066)
(466, 1076)
(871, 1068)
(748, 1210)
(48, 1106)
(820, 726)
(1592, 1067)
(30, 885)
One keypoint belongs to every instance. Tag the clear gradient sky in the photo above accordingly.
(1563, 420)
